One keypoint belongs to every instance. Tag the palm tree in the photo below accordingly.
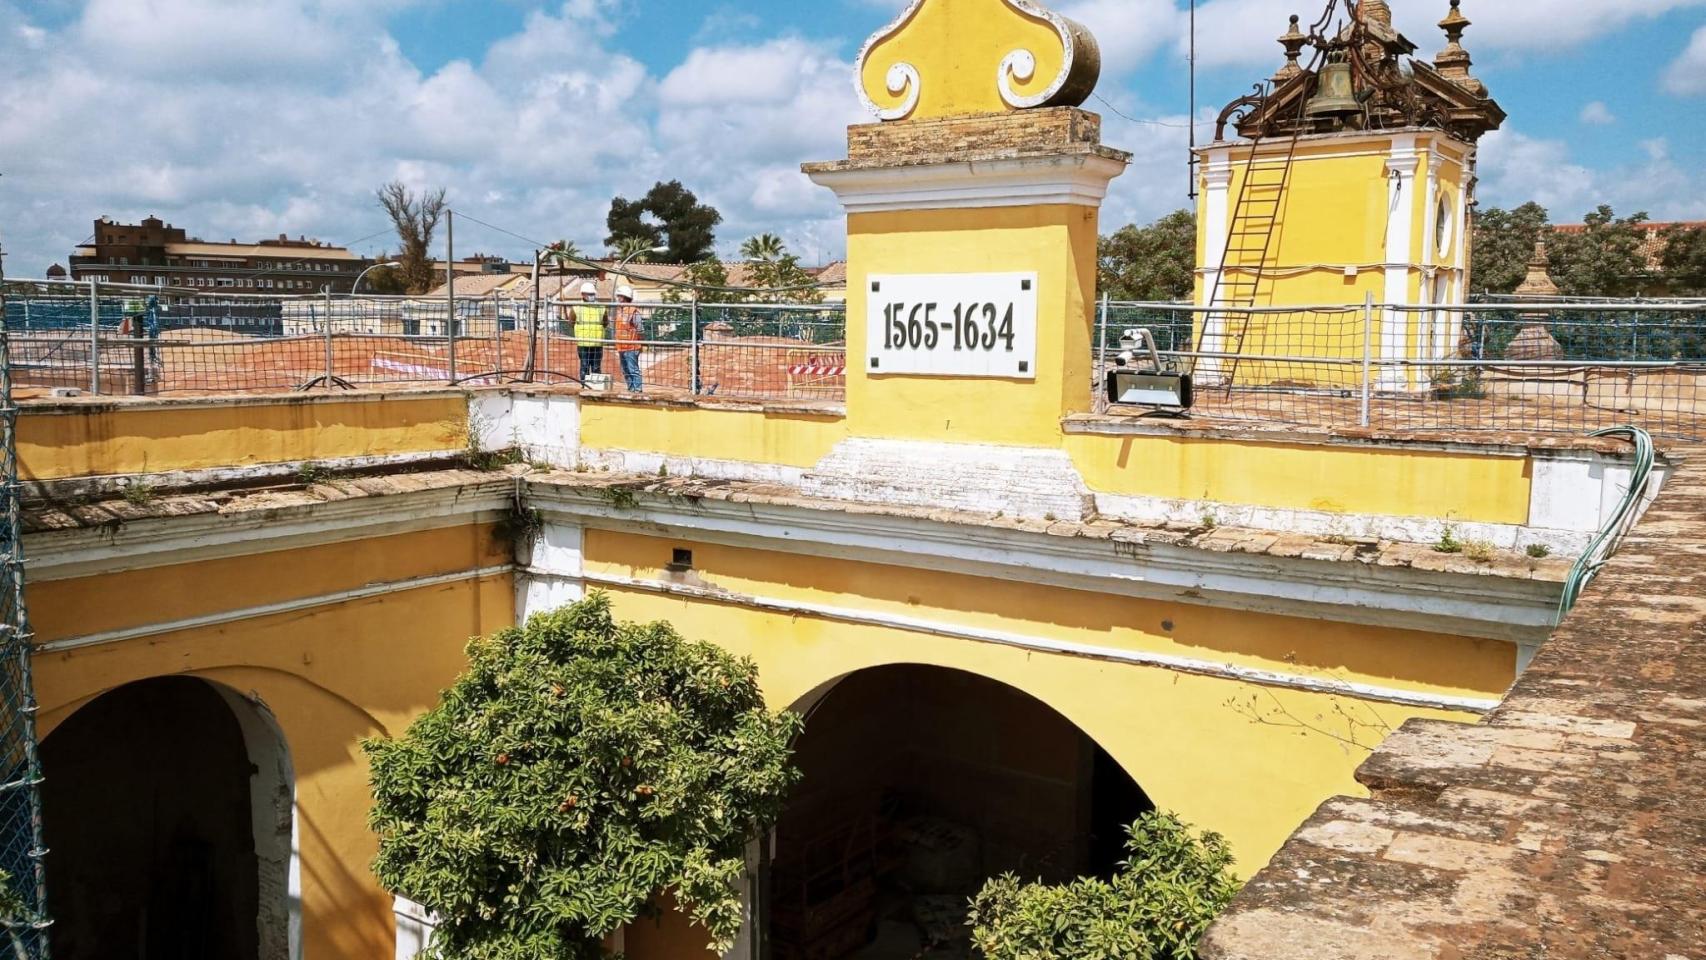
(561, 249)
(765, 246)
(633, 248)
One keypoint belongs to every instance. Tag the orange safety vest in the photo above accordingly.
(628, 335)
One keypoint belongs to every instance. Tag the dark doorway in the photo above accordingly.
(919, 784)
(146, 812)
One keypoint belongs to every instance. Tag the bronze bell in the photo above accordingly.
(1334, 94)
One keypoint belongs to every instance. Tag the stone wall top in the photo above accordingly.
(1572, 823)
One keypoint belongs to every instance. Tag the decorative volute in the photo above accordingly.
(1453, 62)
(946, 58)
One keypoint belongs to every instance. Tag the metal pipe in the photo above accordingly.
(1367, 355)
(693, 332)
(328, 292)
(94, 337)
(533, 322)
(450, 289)
(1102, 358)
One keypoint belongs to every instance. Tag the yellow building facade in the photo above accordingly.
(1314, 197)
(1010, 622)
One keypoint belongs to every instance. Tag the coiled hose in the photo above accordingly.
(1604, 543)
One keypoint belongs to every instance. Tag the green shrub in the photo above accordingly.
(1156, 907)
(578, 769)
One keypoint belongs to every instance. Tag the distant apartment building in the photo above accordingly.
(157, 253)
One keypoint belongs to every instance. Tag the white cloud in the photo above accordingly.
(1597, 114)
(253, 142)
(1516, 168)
(1128, 32)
(1686, 76)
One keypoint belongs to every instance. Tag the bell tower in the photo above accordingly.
(972, 221)
(1349, 174)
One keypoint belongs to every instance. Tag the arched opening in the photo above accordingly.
(919, 784)
(167, 814)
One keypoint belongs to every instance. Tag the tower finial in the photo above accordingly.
(1293, 41)
(1454, 62)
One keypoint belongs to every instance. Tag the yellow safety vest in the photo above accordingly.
(589, 322)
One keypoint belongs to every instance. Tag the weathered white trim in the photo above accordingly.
(86, 551)
(1027, 482)
(1401, 169)
(551, 571)
(415, 925)
(1217, 185)
(649, 463)
(115, 484)
(1191, 665)
(1425, 530)
(1079, 179)
(1485, 606)
(545, 426)
(269, 609)
(272, 823)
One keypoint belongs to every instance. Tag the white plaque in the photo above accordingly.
(952, 325)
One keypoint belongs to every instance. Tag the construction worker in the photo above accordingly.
(625, 321)
(589, 332)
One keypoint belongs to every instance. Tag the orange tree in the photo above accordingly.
(578, 769)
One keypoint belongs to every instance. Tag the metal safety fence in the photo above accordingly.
(23, 894)
(1517, 367)
(109, 340)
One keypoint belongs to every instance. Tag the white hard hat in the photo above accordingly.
(625, 291)
(589, 287)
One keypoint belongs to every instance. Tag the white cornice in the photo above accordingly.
(138, 544)
(1079, 179)
(1517, 611)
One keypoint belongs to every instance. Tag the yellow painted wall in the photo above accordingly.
(1189, 741)
(789, 438)
(122, 438)
(1333, 215)
(1058, 242)
(330, 675)
(1393, 482)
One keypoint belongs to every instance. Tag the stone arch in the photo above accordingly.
(172, 782)
(919, 783)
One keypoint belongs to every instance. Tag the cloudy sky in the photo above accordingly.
(248, 118)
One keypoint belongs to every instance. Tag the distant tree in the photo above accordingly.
(1157, 262)
(781, 279)
(677, 219)
(627, 223)
(415, 219)
(386, 282)
(765, 246)
(1684, 261)
(1503, 245)
(634, 247)
(708, 272)
(1605, 260)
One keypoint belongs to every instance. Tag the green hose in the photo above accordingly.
(1604, 543)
